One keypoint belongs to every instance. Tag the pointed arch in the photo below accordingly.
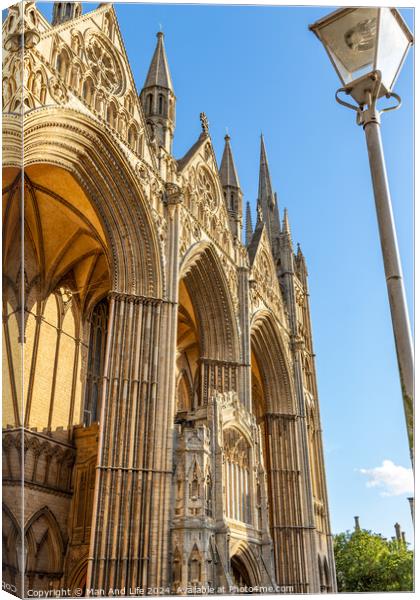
(176, 568)
(45, 543)
(11, 545)
(243, 558)
(269, 356)
(194, 566)
(78, 145)
(184, 393)
(88, 90)
(62, 64)
(203, 274)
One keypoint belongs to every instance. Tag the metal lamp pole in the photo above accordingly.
(369, 118)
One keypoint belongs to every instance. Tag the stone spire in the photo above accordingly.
(66, 11)
(227, 171)
(267, 199)
(231, 189)
(286, 224)
(158, 98)
(158, 74)
(248, 225)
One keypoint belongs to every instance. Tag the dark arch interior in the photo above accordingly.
(240, 573)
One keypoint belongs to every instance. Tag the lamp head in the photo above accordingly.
(364, 44)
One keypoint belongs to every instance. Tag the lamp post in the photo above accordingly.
(367, 47)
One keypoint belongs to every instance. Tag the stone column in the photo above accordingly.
(131, 516)
(217, 375)
(289, 525)
(309, 558)
(245, 379)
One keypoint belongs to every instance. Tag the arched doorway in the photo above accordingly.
(245, 570)
(188, 354)
(274, 405)
(240, 573)
(76, 149)
(65, 273)
(208, 346)
(55, 324)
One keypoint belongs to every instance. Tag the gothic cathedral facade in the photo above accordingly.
(160, 396)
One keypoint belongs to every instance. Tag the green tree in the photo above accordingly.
(366, 562)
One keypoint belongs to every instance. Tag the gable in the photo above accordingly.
(84, 66)
(203, 191)
(263, 271)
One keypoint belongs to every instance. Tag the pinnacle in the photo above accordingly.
(267, 200)
(227, 171)
(248, 225)
(159, 74)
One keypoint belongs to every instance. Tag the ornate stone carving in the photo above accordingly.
(204, 123)
(207, 189)
(142, 172)
(57, 90)
(104, 64)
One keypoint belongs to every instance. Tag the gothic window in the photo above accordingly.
(128, 103)
(63, 64)
(183, 395)
(208, 495)
(161, 104)
(177, 568)
(112, 114)
(132, 136)
(76, 44)
(195, 483)
(237, 476)
(207, 189)
(149, 102)
(99, 103)
(88, 90)
(194, 567)
(122, 125)
(96, 359)
(68, 9)
(232, 202)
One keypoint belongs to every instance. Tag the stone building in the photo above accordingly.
(158, 373)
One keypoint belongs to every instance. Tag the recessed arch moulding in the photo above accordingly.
(167, 410)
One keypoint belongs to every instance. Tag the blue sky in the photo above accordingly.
(255, 69)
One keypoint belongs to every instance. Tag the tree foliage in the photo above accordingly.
(367, 562)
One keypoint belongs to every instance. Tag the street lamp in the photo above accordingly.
(367, 47)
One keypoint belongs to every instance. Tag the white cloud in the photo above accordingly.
(394, 480)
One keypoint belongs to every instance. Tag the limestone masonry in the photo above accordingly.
(167, 410)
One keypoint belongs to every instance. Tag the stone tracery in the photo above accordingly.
(154, 268)
(104, 64)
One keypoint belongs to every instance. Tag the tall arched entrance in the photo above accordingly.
(65, 274)
(275, 409)
(188, 395)
(206, 311)
(93, 312)
(240, 573)
(51, 301)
